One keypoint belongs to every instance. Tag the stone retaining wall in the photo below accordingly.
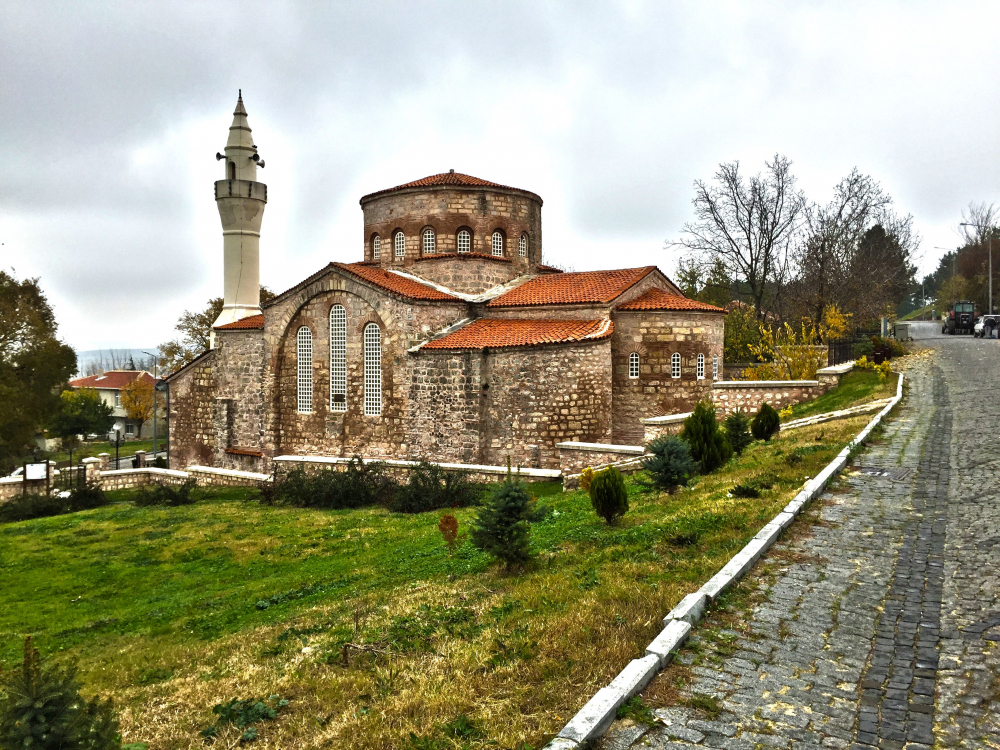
(477, 472)
(574, 457)
(669, 424)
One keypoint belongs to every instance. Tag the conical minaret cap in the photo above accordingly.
(240, 135)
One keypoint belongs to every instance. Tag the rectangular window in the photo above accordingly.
(373, 370)
(118, 398)
(338, 358)
(701, 367)
(715, 367)
(305, 370)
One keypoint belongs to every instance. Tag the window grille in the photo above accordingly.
(675, 365)
(715, 367)
(701, 367)
(522, 246)
(373, 370)
(498, 244)
(429, 242)
(338, 358)
(376, 248)
(464, 241)
(400, 243)
(633, 365)
(305, 370)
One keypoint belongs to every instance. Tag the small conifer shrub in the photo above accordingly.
(737, 426)
(766, 423)
(503, 525)
(708, 443)
(669, 464)
(608, 494)
(41, 708)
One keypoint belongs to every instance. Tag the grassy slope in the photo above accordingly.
(125, 449)
(856, 387)
(160, 606)
(915, 314)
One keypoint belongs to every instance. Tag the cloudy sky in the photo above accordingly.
(111, 114)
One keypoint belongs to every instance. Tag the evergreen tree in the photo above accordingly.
(503, 526)
(669, 464)
(43, 709)
(765, 423)
(708, 444)
(608, 494)
(737, 427)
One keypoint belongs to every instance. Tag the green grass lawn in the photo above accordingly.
(87, 450)
(362, 619)
(921, 312)
(855, 388)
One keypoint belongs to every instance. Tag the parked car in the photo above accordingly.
(986, 326)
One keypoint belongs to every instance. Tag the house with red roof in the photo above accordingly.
(108, 386)
(448, 340)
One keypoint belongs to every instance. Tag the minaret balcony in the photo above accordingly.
(240, 189)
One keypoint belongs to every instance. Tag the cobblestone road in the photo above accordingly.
(879, 627)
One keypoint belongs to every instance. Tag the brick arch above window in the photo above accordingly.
(633, 346)
(370, 318)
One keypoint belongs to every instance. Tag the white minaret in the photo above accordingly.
(241, 200)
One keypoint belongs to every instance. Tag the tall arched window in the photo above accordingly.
(373, 369)
(633, 365)
(675, 365)
(338, 358)
(522, 246)
(376, 247)
(399, 242)
(497, 242)
(715, 367)
(429, 242)
(464, 241)
(701, 367)
(232, 170)
(304, 357)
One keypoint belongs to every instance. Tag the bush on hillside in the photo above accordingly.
(429, 487)
(766, 423)
(503, 525)
(669, 464)
(86, 497)
(359, 485)
(707, 442)
(42, 708)
(172, 495)
(608, 494)
(31, 505)
(737, 427)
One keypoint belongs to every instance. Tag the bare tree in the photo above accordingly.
(750, 225)
(979, 221)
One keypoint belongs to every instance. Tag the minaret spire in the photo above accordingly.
(241, 200)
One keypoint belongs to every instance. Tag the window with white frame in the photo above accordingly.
(429, 241)
(376, 247)
(715, 367)
(675, 365)
(118, 398)
(522, 246)
(373, 369)
(701, 367)
(338, 358)
(464, 241)
(305, 369)
(498, 243)
(633, 365)
(399, 241)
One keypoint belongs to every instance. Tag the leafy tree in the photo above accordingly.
(707, 442)
(42, 708)
(137, 401)
(81, 412)
(737, 426)
(742, 333)
(608, 494)
(766, 423)
(503, 525)
(669, 462)
(196, 331)
(33, 364)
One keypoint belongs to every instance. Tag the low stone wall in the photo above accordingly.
(126, 479)
(668, 424)
(477, 472)
(749, 395)
(628, 466)
(207, 476)
(574, 457)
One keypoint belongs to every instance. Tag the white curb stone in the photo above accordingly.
(594, 718)
(671, 637)
(689, 609)
(562, 743)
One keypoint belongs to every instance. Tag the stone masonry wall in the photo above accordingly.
(191, 431)
(239, 373)
(468, 273)
(655, 335)
(749, 395)
(574, 460)
(445, 391)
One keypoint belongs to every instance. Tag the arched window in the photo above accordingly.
(304, 357)
(232, 170)
(373, 369)
(522, 246)
(429, 241)
(376, 247)
(701, 367)
(464, 241)
(633, 365)
(675, 365)
(715, 367)
(399, 242)
(497, 242)
(338, 358)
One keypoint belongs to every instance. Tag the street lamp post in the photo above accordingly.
(155, 360)
(989, 251)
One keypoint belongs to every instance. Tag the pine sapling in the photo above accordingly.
(709, 446)
(608, 494)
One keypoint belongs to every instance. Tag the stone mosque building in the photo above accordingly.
(448, 341)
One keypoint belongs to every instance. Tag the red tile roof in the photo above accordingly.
(393, 282)
(549, 269)
(661, 299)
(115, 379)
(572, 288)
(444, 179)
(500, 332)
(248, 323)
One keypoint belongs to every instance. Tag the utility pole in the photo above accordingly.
(989, 251)
(155, 378)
